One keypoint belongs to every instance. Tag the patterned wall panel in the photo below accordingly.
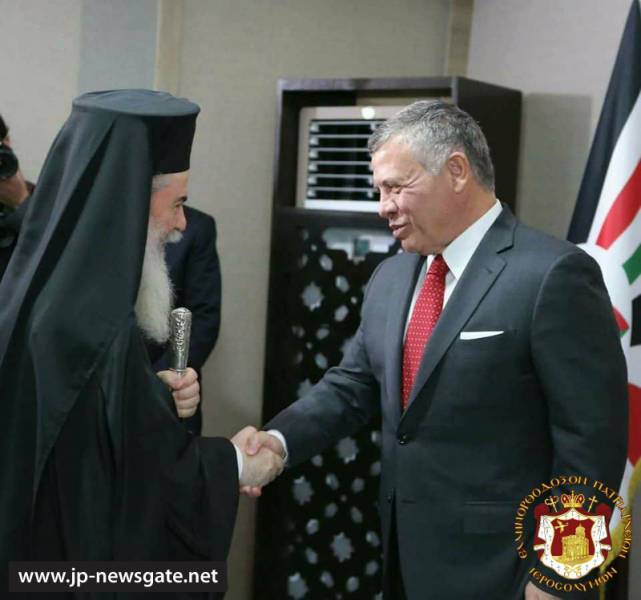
(318, 531)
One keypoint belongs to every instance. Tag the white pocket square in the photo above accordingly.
(475, 335)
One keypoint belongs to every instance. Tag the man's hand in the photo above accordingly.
(13, 190)
(534, 593)
(251, 441)
(185, 390)
(262, 465)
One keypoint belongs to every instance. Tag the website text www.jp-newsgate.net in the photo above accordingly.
(117, 576)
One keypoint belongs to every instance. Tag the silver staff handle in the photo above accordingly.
(180, 332)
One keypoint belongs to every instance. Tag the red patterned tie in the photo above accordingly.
(427, 310)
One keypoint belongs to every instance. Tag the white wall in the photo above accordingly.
(52, 51)
(117, 44)
(234, 52)
(40, 50)
(560, 54)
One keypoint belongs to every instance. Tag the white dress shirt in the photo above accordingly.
(456, 255)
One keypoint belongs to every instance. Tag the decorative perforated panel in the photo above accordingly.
(318, 528)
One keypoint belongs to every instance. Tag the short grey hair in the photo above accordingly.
(433, 129)
(158, 182)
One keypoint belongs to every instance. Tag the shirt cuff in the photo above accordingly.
(239, 460)
(281, 438)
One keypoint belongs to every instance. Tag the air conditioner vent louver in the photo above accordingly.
(334, 169)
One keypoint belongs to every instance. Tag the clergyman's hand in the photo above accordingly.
(260, 467)
(534, 593)
(185, 389)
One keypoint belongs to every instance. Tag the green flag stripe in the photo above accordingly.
(632, 266)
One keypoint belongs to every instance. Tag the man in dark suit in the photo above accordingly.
(194, 270)
(492, 353)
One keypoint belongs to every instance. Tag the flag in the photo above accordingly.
(607, 224)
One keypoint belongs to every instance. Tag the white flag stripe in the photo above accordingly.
(624, 159)
(633, 359)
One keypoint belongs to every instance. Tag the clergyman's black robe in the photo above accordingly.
(126, 481)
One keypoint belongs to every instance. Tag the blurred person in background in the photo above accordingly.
(14, 190)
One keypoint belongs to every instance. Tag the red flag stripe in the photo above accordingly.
(634, 436)
(622, 324)
(623, 211)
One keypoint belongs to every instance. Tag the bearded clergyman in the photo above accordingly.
(95, 463)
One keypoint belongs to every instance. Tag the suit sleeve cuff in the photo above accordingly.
(281, 438)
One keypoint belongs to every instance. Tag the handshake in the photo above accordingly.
(263, 454)
(263, 459)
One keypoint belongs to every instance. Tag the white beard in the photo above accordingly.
(155, 294)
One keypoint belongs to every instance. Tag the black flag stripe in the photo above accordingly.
(623, 91)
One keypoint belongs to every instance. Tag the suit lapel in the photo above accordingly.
(477, 278)
(397, 308)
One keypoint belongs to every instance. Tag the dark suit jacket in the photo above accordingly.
(195, 273)
(489, 419)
